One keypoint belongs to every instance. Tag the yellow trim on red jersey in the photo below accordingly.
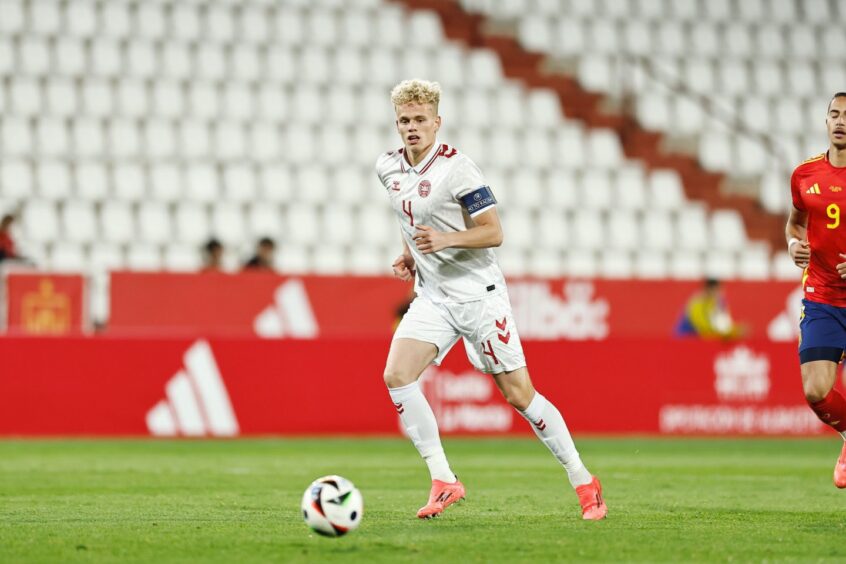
(814, 159)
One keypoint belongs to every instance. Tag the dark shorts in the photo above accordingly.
(822, 331)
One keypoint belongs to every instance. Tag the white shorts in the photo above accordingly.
(487, 326)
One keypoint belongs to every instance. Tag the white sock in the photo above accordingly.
(420, 424)
(549, 426)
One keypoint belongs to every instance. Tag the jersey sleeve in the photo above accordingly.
(468, 187)
(795, 191)
(379, 167)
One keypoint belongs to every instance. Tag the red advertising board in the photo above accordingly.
(106, 386)
(45, 304)
(254, 303)
(308, 307)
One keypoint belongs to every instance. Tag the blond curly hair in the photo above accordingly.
(417, 91)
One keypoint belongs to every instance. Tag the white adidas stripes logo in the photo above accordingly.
(197, 402)
(289, 316)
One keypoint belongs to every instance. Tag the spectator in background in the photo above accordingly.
(7, 243)
(263, 259)
(706, 315)
(213, 256)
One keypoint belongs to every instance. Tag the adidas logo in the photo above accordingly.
(197, 403)
(290, 315)
(815, 189)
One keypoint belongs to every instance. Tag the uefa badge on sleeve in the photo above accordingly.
(424, 188)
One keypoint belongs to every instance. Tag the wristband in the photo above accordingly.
(790, 243)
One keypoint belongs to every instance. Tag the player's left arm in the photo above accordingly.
(486, 232)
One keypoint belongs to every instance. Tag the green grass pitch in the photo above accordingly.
(670, 500)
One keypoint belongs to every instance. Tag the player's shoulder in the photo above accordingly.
(810, 164)
(387, 159)
(453, 156)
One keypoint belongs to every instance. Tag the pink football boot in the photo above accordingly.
(590, 498)
(840, 469)
(442, 496)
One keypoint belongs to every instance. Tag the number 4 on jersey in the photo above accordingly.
(406, 209)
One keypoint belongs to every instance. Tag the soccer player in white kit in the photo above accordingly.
(449, 225)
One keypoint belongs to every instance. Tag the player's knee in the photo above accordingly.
(814, 390)
(816, 382)
(518, 396)
(397, 378)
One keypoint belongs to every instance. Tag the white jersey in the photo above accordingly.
(444, 191)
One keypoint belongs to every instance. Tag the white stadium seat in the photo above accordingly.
(79, 222)
(329, 260)
(377, 226)
(239, 182)
(182, 258)
(192, 223)
(106, 58)
(302, 224)
(143, 257)
(17, 179)
(595, 191)
(276, 183)
(67, 257)
(115, 20)
(34, 56)
(117, 222)
(91, 180)
(105, 257)
(54, 180)
(615, 264)
(264, 220)
(589, 230)
(727, 230)
(623, 230)
(51, 138)
(658, 231)
(338, 225)
(40, 221)
(154, 222)
(293, 259)
(201, 183)
(650, 265)
(165, 182)
(227, 223)
(686, 265)
(195, 139)
(581, 263)
(518, 227)
(88, 138)
(721, 265)
(754, 264)
(81, 18)
(365, 262)
(546, 262)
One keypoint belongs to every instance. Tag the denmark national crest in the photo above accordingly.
(424, 188)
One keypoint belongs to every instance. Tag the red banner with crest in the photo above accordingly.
(45, 304)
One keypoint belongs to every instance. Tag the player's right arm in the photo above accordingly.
(403, 266)
(796, 230)
(796, 233)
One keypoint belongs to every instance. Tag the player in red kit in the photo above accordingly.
(816, 233)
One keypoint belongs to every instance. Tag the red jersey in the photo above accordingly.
(819, 188)
(7, 246)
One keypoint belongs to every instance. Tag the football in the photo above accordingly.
(332, 506)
